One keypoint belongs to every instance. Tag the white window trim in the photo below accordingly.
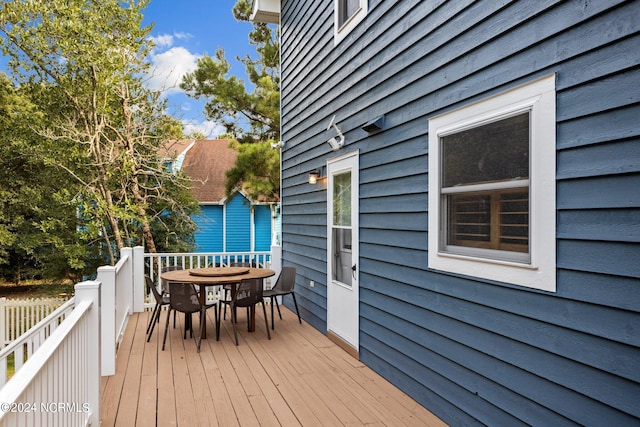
(340, 32)
(538, 96)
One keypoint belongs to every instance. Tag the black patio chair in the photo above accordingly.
(183, 297)
(284, 286)
(165, 285)
(161, 301)
(248, 294)
(226, 296)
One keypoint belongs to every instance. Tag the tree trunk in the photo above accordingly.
(147, 235)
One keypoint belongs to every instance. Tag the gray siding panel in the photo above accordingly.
(616, 225)
(602, 127)
(602, 192)
(599, 160)
(475, 351)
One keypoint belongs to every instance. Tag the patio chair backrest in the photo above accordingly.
(249, 293)
(165, 284)
(240, 264)
(183, 297)
(151, 287)
(286, 281)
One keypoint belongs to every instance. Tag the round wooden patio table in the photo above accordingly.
(204, 277)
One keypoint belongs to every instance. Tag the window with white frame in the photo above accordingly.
(492, 187)
(347, 14)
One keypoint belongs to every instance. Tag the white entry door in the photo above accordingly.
(342, 257)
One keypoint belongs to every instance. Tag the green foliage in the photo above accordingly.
(258, 169)
(81, 174)
(38, 235)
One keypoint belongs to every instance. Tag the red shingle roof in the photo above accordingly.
(206, 163)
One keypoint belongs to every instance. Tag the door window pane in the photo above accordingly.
(342, 199)
(341, 255)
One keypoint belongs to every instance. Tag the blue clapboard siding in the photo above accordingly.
(210, 226)
(475, 351)
(262, 227)
(238, 224)
(242, 235)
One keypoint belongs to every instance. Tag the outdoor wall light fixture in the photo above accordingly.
(335, 142)
(315, 176)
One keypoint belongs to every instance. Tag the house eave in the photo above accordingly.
(265, 11)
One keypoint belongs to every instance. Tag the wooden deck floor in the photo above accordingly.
(297, 378)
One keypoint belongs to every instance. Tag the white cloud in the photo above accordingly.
(163, 40)
(169, 67)
(183, 36)
(209, 129)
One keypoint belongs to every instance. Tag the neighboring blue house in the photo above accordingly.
(474, 236)
(235, 224)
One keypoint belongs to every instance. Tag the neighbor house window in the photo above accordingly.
(348, 13)
(492, 187)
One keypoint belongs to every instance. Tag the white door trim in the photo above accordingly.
(343, 299)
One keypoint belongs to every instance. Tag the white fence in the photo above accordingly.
(17, 316)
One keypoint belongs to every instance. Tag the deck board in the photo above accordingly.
(299, 377)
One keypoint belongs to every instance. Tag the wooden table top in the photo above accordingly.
(216, 276)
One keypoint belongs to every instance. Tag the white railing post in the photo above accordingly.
(107, 276)
(91, 291)
(127, 277)
(138, 279)
(276, 258)
(5, 324)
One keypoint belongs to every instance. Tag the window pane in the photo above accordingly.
(347, 9)
(342, 199)
(493, 220)
(497, 151)
(469, 220)
(341, 259)
(514, 221)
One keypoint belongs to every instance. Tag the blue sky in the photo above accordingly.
(184, 31)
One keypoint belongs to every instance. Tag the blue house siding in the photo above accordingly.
(262, 227)
(475, 351)
(237, 233)
(238, 224)
(209, 234)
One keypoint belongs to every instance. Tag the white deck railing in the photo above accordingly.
(154, 263)
(17, 316)
(187, 260)
(119, 292)
(60, 383)
(22, 348)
